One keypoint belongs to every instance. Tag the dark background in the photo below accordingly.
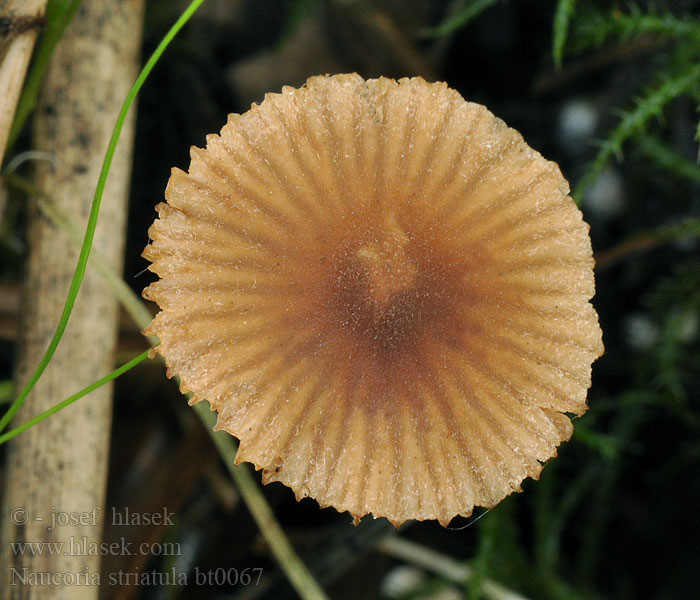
(616, 515)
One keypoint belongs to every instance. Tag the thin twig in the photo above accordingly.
(443, 565)
(555, 79)
(646, 241)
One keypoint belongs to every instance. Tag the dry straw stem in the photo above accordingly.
(383, 291)
(442, 565)
(24, 18)
(62, 461)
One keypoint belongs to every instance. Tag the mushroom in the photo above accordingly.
(383, 291)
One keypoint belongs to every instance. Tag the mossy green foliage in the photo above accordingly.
(677, 40)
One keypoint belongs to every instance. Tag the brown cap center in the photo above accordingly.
(388, 268)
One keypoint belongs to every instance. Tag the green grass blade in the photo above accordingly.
(94, 212)
(77, 396)
(562, 19)
(461, 19)
(58, 16)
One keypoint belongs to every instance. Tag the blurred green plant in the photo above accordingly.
(562, 20)
(461, 18)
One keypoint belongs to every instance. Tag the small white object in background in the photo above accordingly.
(578, 120)
(605, 199)
(402, 581)
(641, 333)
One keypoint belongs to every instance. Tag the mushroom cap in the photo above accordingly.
(383, 291)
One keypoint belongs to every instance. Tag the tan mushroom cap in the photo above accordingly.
(383, 291)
